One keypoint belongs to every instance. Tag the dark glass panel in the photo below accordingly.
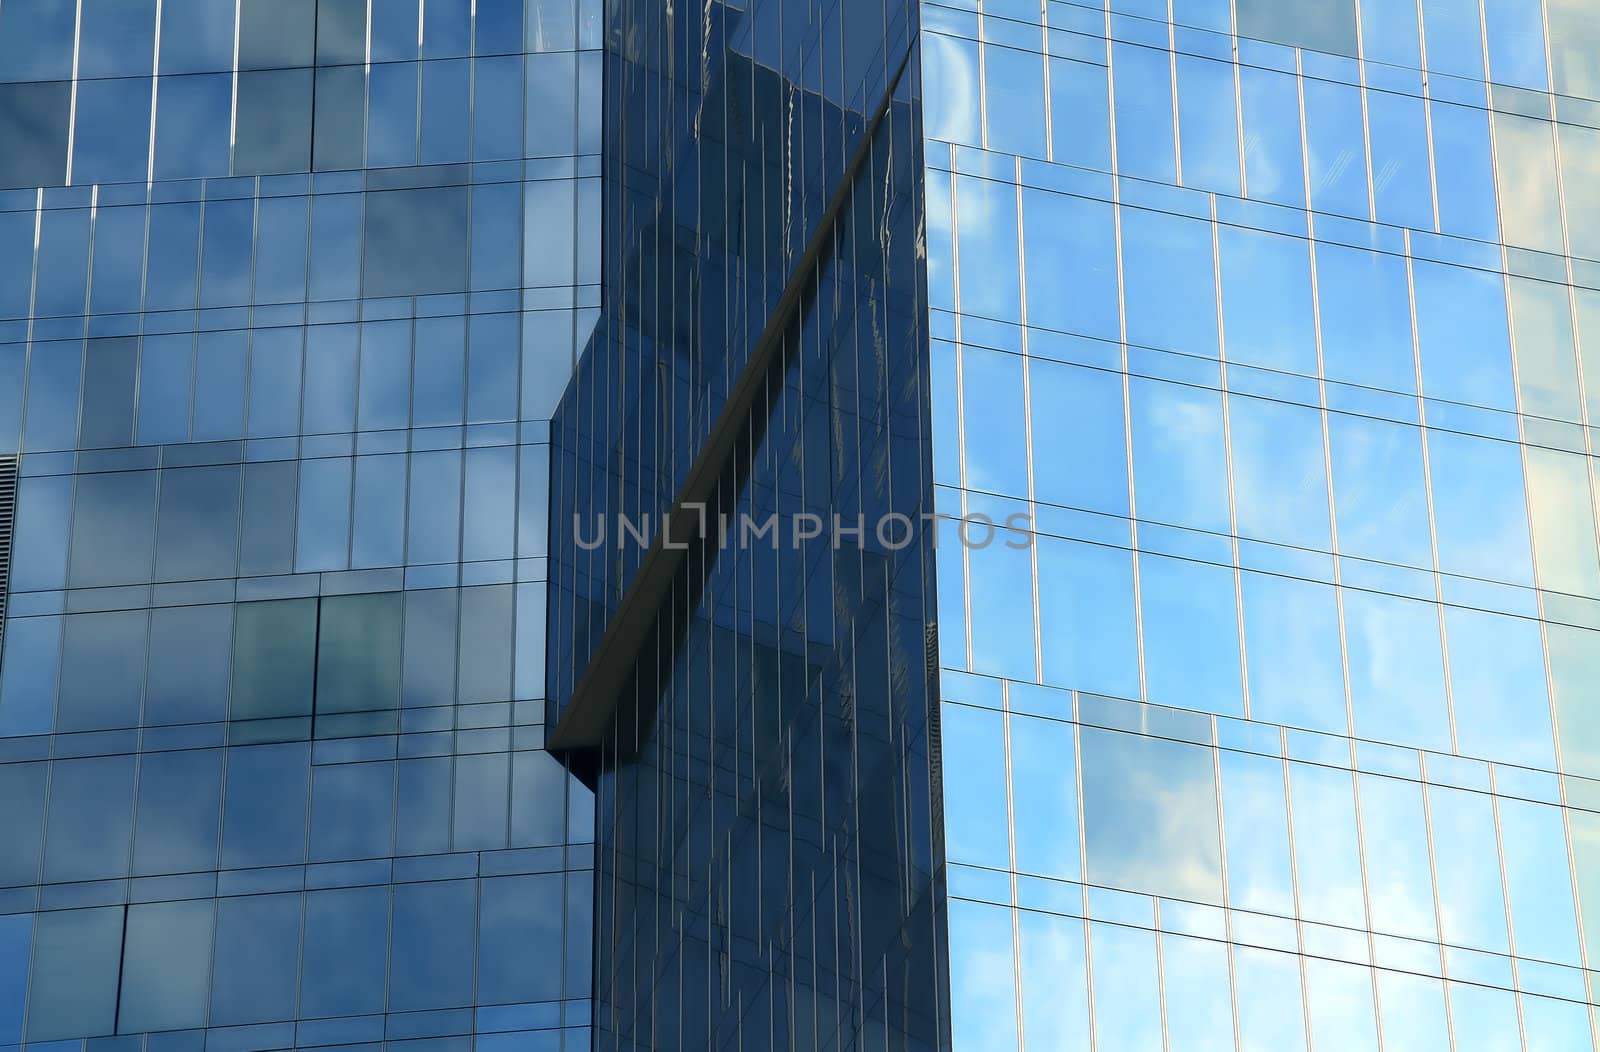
(36, 38)
(22, 786)
(340, 118)
(274, 645)
(77, 957)
(199, 519)
(102, 670)
(34, 128)
(273, 122)
(264, 818)
(257, 949)
(108, 383)
(358, 653)
(430, 959)
(116, 39)
(188, 670)
(341, 32)
(275, 34)
(91, 818)
(416, 242)
(166, 966)
(180, 796)
(1317, 25)
(113, 526)
(347, 934)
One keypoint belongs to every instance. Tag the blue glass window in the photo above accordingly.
(1143, 103)
(1071, 264)
(166, 966)
(257, 954)
(77, 956)
(1150, 813)
(347, 934)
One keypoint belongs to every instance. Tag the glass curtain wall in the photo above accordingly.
(288, 293)
(1278, 322)
(766, 829)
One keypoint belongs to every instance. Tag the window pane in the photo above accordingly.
(199, 520)
(91, 818)
(996, 440)
(1168, 282)
(1013, 84)
(276, 33)
(76, 960)
(1256, 818)
(1055, 1008)
(983, 988)
(192, 125)
(102, 671)
(188, 668)
(975, 786)
(519, 956)
(1399, 879)
(1291, 630)
(273, 118)
(1467, 869)
(1191, 635)
(1480, 515)
(1280, 481)
(1179, 457)
(1396, 665)
(111, 142)
(1142, 97)
(1266, 300)
(179, 797)
(1071, 264)
(430, 963)
(347, 936)
(1318, 25)
(264, 823)
(1380, 498)
(1044, 805)
(1326, 847)
(36, 40)
(166, 966)
(1127, 1000)
(416, 242)
(273, 645)
(257, 950)
(1150, 812)
(352, 811)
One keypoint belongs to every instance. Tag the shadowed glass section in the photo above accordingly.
(768, 847)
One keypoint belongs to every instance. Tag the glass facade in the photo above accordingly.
(289, 291)
(1276, 320)
(754, 711)
(475, 579)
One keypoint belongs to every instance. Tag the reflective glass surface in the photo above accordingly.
(1270, 317)
(279, 347)
(760, 738)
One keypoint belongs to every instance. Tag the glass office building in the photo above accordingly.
(1278, 319)
(288, 293)
(400, 396)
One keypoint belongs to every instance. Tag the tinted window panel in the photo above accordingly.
(416, 242)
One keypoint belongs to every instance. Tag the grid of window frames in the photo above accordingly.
(1278, 321)
(288, 293)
